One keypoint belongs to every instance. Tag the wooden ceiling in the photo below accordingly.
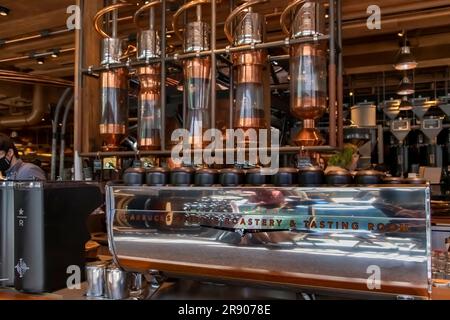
(365, 51)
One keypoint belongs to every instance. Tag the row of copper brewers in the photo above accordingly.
(234, 177)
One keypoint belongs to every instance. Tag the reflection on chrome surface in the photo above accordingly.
(334, 234)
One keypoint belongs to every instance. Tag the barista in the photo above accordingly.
(12, 167)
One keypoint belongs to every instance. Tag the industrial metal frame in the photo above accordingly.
(335, 79)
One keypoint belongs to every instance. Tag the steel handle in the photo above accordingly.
(228, 23)
(145, 7)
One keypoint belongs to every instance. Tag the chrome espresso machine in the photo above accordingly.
(231, 225)
(354, 240)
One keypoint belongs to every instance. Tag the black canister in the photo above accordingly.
(254, 177)
(231, 177)
(369, 177)
(157, 177)
(134, 176)
(310, 176)
(206, 177)
(182, 177)
(286, 177)
(339, 177)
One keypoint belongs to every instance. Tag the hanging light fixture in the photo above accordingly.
(405, 105)
(405, 59)
(406, 87)
(4, 11)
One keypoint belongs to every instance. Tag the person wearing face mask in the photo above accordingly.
(12, 167)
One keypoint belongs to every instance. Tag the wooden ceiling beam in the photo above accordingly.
(388, 67)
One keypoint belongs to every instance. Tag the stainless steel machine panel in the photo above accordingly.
(6, 234)
(367, 240)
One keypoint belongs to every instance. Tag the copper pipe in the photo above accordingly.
(13, 76)
(142, 10)
(102, 12)
(30, 119)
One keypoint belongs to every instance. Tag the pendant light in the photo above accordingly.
(406, 87)
(405, 59)
(405, 105)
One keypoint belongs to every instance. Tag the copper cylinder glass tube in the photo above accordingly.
(114, 83)
(249, 96)
(149, 97)
(197, 82)
(249, 64)
(308, 69)
(149, 108)
(114, 101)
(308, 80)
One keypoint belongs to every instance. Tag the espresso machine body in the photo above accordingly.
(328, 238)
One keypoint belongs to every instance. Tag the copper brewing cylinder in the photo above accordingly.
(250, 91)
(308, 80)
(114, 101)
(250, 67)
(149, 108)
(197, 77)
(308, 69)
(114, 83)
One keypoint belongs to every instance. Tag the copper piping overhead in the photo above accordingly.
(13, 76)
(104, 11)
(32, 118)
